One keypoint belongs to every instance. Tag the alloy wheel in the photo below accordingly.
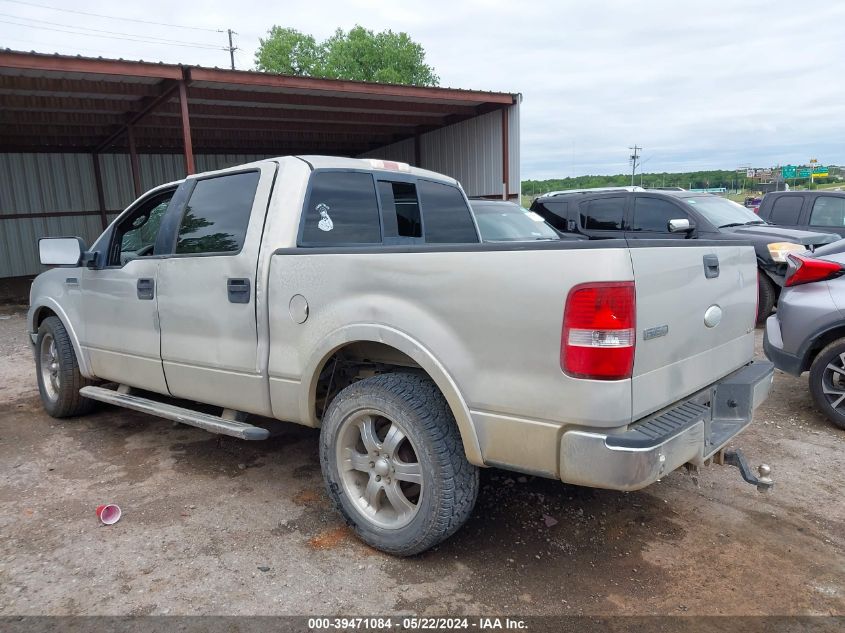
(379, 468)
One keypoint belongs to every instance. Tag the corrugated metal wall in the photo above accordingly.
(156, 169)
(403, 151)
(50, 183)
(39, 183)
(470, 151)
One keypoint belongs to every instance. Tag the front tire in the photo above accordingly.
(59, 378)
(827, 382)
(766, 297)
(394, 464)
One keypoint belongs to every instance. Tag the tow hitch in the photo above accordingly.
(734, 457)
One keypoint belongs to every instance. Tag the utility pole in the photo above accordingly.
(634, 158)
(232, 48)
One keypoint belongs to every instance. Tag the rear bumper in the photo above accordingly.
(773, 348)
(690, 431)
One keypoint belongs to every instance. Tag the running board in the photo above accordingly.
(211, 423)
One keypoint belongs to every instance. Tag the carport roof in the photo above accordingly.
(56, 103)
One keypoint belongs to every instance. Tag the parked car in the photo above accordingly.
(356, 296)
(682, 215)
(815, 210)
(808, 331)
(753, 203)
(502, 221)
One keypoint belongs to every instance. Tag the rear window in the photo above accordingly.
(445, 214)
(786, 210)
(828, 211)
(602, 214)
(342, 208)
(400, 209)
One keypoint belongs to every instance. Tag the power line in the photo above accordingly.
(232, 48)
(112, 17)
(114, 37)
(87, 28)
(56, 47)
(634, 158)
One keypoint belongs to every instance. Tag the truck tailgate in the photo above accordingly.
(696, 305)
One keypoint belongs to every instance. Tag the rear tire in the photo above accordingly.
(57, 369)
(766, 297)
(827, 382)
(394, 463)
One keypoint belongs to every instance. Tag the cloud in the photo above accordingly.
(698, 85)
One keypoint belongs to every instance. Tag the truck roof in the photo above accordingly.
(335, 162)
(370, 164)
(564, 192)
(608, 191)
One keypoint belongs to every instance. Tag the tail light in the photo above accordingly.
(599, 331)
(803, 270)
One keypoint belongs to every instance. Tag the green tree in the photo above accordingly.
(208, 243)
(359, 54)
(289, 52)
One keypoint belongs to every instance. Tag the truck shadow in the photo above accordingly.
(538, 540)
(529, 539)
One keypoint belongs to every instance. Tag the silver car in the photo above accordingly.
(503, 221)
(808, 331)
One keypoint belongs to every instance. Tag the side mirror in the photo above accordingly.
(680, 225)
(60, 251)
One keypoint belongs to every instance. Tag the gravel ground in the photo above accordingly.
(217, 526)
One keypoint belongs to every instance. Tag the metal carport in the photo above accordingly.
(80, 138)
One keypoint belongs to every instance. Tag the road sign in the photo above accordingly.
(791, 171)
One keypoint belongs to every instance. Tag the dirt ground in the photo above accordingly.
(219, 526)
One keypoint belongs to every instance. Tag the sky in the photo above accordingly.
(715, 85)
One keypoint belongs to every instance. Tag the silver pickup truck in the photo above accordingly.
(355, 296)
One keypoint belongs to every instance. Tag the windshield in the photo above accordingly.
(722, 212)
(509, 222)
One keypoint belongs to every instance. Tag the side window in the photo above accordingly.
(786, 210)
(400, 209)
(447, 216)
(135, 236)
(555, 214)
(603, 214)
(828, 211)
(341, 209)
(217, 214)
(653, 214)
